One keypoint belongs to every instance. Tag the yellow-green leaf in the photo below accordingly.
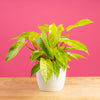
(75, 44)
(78, 55)
(69, 48)
(68, 66)
(43, 44)
(28, 36)
(71, 55)
(56, 69)
(80, 23)
(75, 55)
(36, 54)
(23, 35)
(46, 68)
(33, 36)
(14, 49)
(44, 27)
(68, 57)
(61, 57)
(60, 28)
(54, 34)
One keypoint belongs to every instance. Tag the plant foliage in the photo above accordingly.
(49, 53)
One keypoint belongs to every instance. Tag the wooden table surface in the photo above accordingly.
(76, 88)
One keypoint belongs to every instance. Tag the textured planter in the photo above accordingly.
(53, 84)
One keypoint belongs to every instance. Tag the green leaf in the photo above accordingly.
(28, 36)
(46, 68)
(36, 54)
(68, 57)
(44, 27)
(71, 55)
(14, 49)
(75, 44)
(80, 23)
(56, 69)
(61, 58)
(23, 35)
(69, 48)
(75, 55)
(60, 28)
(78, 55)
(68, 66)
(43, 44)
(33, 36)
(54, 34)
(35, 69)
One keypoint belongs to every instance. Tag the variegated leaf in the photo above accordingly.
(43, 44)
(80, 23)
(35, 69)
(15, 48)
(46, 68)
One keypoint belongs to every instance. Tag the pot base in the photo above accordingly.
(53, 84)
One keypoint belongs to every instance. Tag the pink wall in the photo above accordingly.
(18, 16)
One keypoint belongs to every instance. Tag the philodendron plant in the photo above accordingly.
(52, 53)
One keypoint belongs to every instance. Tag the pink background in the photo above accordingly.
(18, 16)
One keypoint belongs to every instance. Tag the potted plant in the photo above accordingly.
(51, 54)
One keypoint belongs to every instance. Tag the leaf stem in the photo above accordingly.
(54, 58)
(65, 47)
(57, 45)
(43, 56)
(29, 47)
(35, 45)
(61, 44)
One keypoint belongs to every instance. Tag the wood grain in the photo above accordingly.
(76, 88)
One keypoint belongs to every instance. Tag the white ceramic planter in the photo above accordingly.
(53, 84)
